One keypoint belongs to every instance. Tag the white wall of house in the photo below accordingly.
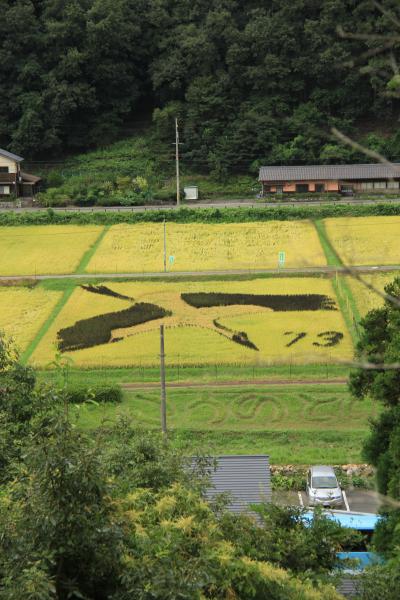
(8, 162)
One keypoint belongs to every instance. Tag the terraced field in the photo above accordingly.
(201, 247)
(366, 298)
(23, 311)
(267, 321)
(47, 249)
(365, 240)
(297, 424)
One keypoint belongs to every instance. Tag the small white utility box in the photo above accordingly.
(191, 192)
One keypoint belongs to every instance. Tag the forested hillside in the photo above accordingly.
(251, 81)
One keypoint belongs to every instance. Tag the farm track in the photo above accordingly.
(234, 383)
(329, 269)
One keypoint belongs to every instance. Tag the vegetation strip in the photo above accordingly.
(47, 324)
(343, 292)
(68, 290)
(276, 302)
(91, 251)
(188, 215)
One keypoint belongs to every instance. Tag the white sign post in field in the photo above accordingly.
(281, 259)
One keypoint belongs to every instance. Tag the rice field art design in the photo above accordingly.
(199, 311)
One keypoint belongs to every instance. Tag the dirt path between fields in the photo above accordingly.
(232, 383)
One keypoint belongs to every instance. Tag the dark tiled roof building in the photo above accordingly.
(330, 178)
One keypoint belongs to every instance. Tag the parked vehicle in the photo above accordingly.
(323, 488)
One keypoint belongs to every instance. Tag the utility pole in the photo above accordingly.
(178, 192)
(165, 247)
(163, 386)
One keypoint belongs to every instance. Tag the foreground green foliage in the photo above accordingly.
(120, 514)
(380, 345)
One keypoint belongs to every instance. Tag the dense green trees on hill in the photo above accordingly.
(250, 80)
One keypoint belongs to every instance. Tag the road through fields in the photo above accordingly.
(330, 269)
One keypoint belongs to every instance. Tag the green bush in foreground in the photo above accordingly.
(101, 394)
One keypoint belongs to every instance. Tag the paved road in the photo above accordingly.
(215, 204)
(358, 500)
(198, 274)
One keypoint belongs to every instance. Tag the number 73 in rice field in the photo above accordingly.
(325, 339)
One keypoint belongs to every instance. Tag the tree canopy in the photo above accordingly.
(251, 81)
(116, 514)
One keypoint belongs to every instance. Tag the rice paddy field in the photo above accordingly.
(366, 298)
(23, 310)
(220, 328)
(296, 424)
(207, 334)
(47, 249)
(202, 247)
(365, 240)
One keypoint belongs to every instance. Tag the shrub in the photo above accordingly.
(197, 215)
(79, 395)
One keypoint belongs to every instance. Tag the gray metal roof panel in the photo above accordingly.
(328, 172)
(11, 155)
(348, 587)
(247, 478)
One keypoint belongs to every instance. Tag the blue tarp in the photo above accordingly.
(365, 559)
(353, 520)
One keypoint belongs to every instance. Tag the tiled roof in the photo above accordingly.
(10, 155)
(247, 478)
(328, 172)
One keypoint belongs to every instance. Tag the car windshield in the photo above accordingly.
(324, 482)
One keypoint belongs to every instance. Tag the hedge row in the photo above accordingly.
(277, 302)
(197, 215)
(97, 330)
(79, 395)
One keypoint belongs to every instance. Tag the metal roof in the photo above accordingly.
(10, 155)
(348, 587)
(246, 477)
(328, 172)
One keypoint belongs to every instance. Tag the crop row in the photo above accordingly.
(94, 331)
(276, 302)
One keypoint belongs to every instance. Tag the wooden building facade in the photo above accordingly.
(375, 178)
(13, 181)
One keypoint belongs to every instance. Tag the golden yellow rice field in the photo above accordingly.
(47, 249)
(201, 247)
(192, 337)
(366, 240)
(365, 298)
(23, 311)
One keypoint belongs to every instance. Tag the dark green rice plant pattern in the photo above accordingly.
(94, 331)
(105, 291)
(332, 338)
(276, 302)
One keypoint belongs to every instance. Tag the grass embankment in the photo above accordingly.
(284, 421)
(347, 303)
(198, 374)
